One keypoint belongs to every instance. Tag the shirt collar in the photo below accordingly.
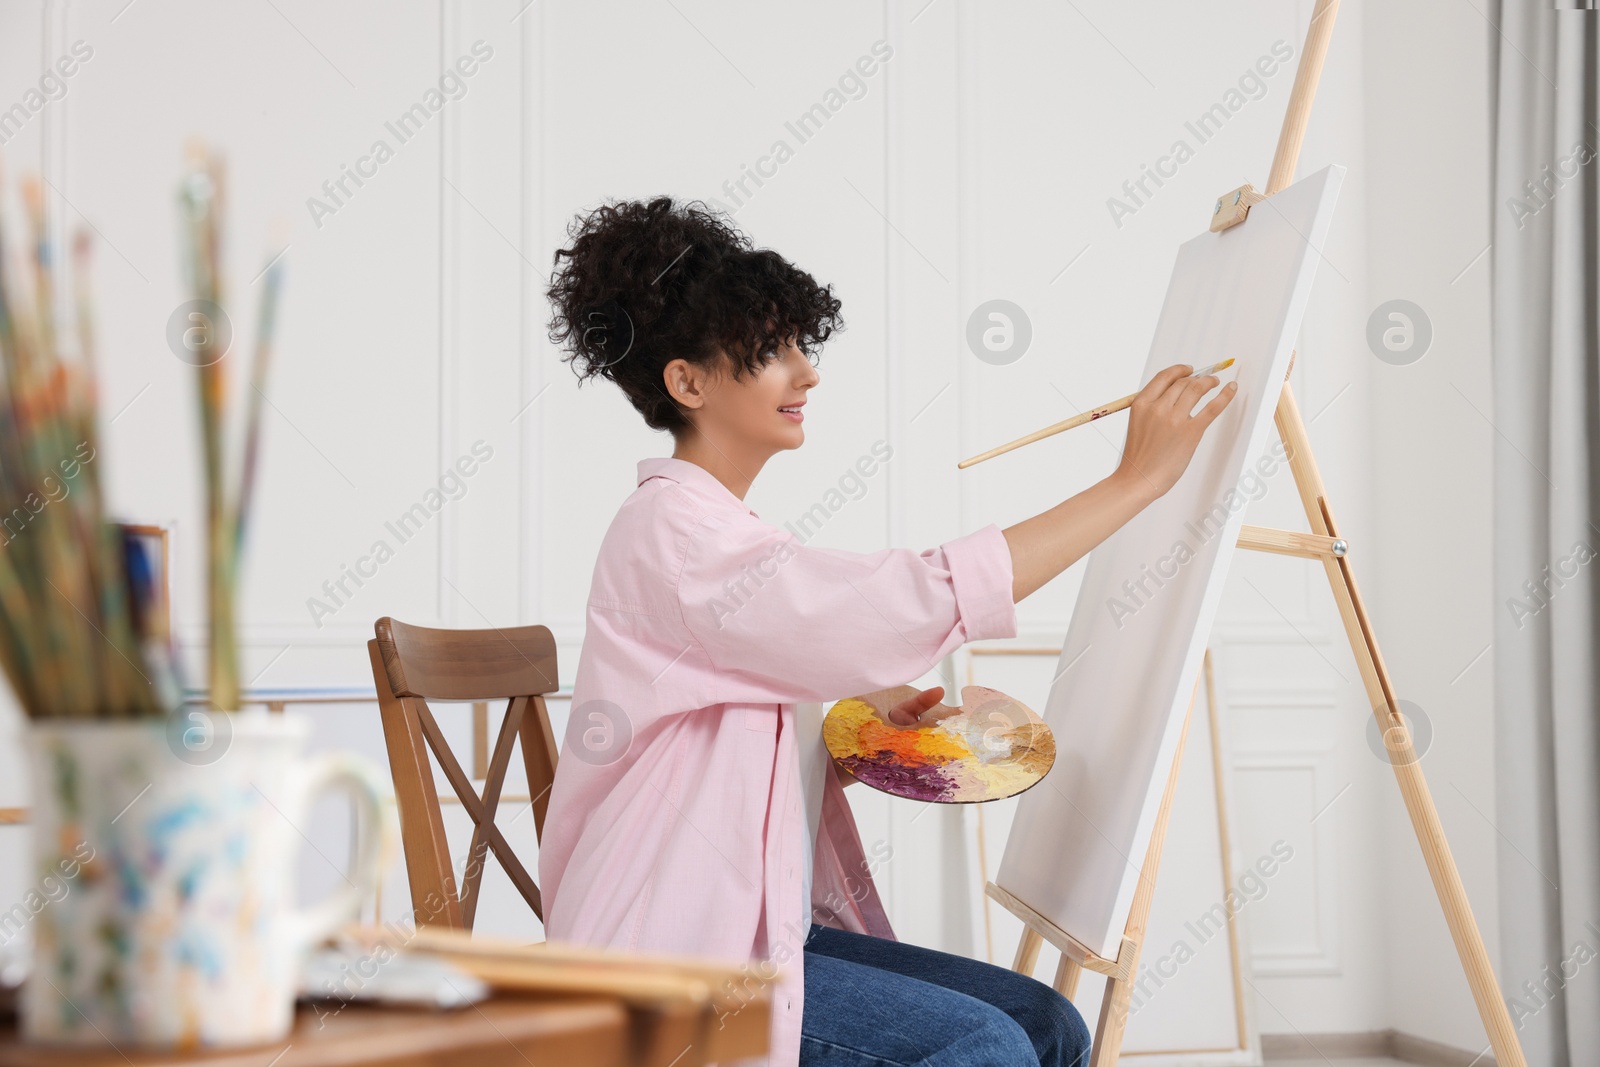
(693, 475)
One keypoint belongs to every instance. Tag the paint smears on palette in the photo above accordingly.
(990, 748)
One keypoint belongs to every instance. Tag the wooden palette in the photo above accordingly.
(990, 748)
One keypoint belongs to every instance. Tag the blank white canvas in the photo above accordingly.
(1144, 611)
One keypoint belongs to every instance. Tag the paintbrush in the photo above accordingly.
(203, 198)
(266, 324)
(67, 633)
(1080, 420)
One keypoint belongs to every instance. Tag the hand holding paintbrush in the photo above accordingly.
(1096, 413)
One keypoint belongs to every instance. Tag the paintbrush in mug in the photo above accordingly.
(1079, 420)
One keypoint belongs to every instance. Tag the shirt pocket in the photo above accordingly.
(761, 718)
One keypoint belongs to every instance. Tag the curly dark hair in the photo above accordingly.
(645, 283)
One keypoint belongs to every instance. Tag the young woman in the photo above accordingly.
(695, 809)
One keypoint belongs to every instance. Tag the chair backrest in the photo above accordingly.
(412, 664)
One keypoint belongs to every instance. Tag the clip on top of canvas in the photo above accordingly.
(1233, 207)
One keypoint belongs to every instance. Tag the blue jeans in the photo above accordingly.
(871, 1002)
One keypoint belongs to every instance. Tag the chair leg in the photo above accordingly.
(539, 753)
(434, 898)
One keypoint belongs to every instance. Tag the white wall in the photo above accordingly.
(1430, 588)
(977, 164)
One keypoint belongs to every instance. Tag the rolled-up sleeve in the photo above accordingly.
(780, 621)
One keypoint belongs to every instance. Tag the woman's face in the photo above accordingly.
(746, 413)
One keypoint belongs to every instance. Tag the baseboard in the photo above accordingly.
(1412, 1049)
(1407, 1048)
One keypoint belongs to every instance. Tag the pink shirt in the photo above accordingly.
(677, 819)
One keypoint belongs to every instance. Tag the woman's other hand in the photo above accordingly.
(906, 715)
(909, 711)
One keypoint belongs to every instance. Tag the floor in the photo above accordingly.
(1358, 1062)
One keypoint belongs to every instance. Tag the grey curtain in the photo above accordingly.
(1547, 524)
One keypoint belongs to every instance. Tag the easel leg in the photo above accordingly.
(1397, 739)
(1067, 970)
(1027, 951)
(1113, 1021)
(1067, 974)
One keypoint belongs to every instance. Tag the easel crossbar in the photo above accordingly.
(1291, 543)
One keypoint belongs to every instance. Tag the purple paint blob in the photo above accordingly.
(926, 782)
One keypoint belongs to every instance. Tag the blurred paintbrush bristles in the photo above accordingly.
(83, 633)
(68, 642)
(227, 497)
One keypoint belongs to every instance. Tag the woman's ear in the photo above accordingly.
(685, 383)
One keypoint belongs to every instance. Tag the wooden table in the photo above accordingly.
(504, 1031)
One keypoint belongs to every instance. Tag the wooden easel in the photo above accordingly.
(1322, 543)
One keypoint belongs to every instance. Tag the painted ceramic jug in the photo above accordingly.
(175, 842)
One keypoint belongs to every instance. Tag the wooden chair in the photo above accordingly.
(685, 1012)
(414, 664)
